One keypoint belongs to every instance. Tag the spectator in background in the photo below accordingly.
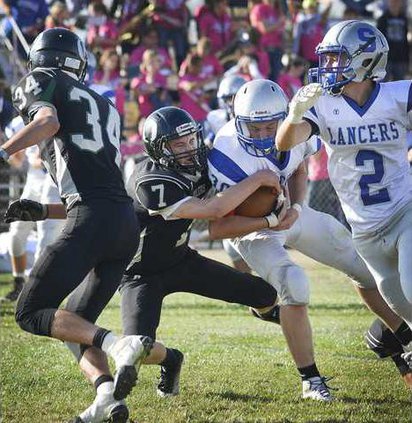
(214, 22)
(267, 18)
(309, 29)
(291, 79)
(149, 41)
(58, 15)
(394, 25)
(321, 194)
(102, 31)
(109, 75)
(191, 89)
(152, 85)
(172, 19)
(211, 70)
(29, 16)
(252, 62)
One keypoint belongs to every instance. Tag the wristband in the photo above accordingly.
(297, 207)
(272, 220)
(4, 155)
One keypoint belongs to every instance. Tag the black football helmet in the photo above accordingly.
(59, 48)
(167, 124)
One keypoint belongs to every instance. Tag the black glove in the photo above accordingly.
(26, 210)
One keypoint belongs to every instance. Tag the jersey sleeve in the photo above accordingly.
(313, 145)
(409, 108)
(161, 196)
(223, 171)
(35, 90)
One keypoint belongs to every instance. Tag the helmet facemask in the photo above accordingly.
(258, 147)
(190, 161)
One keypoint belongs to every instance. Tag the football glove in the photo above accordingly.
(303, 100)
(26, 210)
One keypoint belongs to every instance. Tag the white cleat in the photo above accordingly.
(128, 353)
(317, 389)
(104, 409)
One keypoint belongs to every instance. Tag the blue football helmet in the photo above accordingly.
(359, 51)
(260, 100)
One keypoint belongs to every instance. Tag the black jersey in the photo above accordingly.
(83, 157)
(155, 189)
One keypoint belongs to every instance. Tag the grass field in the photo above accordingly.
(237, 369)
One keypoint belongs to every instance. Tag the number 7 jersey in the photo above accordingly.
(83, 157)
(367, 152)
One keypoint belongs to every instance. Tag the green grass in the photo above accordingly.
(237, 369)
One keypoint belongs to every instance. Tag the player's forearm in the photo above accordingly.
(233, 226)
(290, 134)
(35, 132)
(56, 211)
(297, 185)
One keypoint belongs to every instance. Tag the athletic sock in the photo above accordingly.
(101, 380)
(308, 371)
(104, 339)
(170, 359)
(403, 334)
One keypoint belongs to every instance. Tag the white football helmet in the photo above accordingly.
(228, 88)
(362, 53)
(260, 100)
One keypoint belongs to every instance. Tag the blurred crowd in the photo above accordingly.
(151, 54)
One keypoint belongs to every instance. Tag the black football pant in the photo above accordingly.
(142, 297)
(98, 241)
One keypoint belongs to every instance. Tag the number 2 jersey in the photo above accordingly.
(367, 152)
(157, 192)
(229, 163)
(83, 157)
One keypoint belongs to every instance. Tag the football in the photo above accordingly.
(259, 204)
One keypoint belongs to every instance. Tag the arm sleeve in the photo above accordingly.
(35, 90)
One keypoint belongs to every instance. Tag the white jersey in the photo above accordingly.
(229, 163)
(367, 152)
(216, 119)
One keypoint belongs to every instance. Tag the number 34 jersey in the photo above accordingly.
(83, 157)
(367, 152)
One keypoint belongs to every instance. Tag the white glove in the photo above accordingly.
(303, 100)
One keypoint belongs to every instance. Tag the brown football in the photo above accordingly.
(261, 203)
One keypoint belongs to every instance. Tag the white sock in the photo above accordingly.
(109, 340)
(105, 388)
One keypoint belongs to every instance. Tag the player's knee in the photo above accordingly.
(294, 286)
(381, 340)
(17, 246)
(37, 322)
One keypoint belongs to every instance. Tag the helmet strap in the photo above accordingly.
(372, 66)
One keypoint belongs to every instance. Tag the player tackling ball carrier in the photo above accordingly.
(363, 123)
(242, 147)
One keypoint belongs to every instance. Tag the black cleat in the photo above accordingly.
(118, 414)
(170, 377)
(272, 315)
(15, 292)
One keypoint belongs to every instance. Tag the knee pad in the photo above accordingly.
(292, 285)
(382, 341)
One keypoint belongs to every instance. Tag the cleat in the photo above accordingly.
(317, 389)
(15, 292)
(128, 353)
(272, 315)
(170, 377)
(407, 356)
(104, 409)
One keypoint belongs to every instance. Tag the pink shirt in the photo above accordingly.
(309, 33)
(289, 84)
(216, 28)
(137, 54)
(318, 166)
(175, 9)
(210, 67)
(265, 14)
(140, 84)
(107, 30)
(193, 101)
